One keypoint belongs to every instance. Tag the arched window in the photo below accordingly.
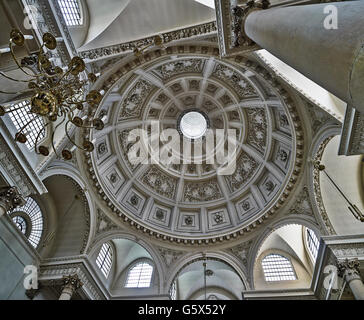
(140, 276)
(104, 259)
(29, 220)
(20, 223)
(71, 12)
(20, 117)
(277, 268)
(312, 243)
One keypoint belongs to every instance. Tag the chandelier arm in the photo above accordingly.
(44, 71)
(56, 86)
(74, 102)
(70, 139)
(45, 74)
(19, 92)
(63, 76)
(54, 132)
(70, 114)
(87, 127)
(39, 55)
(38, 135)
(28, 123)
(17, 62)
(10, 78)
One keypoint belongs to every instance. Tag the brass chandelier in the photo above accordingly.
(56, 94)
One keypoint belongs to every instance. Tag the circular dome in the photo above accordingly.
(204, 199)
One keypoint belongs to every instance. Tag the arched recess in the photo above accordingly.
(69, 227)
(288, 244)
(69, 171)
(347, 173)
(318, 144)
(228, 279)
(127, 250)
(97, 18)
(119, 21)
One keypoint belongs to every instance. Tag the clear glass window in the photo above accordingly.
(140, 276)
(20, 223)
(104, 259)
(277, 268)
(71, 12)
(21, 117)
(32, 209)
(312, 243)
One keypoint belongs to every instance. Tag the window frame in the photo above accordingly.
(111, 250)
(35, 221)
(135, 264)
(279, 275)
(307, 245)
(17, 124)
(16, 217)
(81, 8)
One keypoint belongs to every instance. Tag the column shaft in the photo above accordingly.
(333, 58)
(67, 293)
(350, 272)
(71, 284)
(357, 288)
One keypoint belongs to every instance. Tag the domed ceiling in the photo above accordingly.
(185, 201)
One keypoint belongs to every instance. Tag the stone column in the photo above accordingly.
(349, 271)
(333, 58)
(70, 285)
(9, 199)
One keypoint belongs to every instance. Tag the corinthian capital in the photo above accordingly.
(239, 15)
(72, 281)
(10, 198)
(349, 269)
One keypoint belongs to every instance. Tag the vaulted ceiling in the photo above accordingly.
(118, 21)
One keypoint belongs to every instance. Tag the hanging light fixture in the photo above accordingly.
(204, 277)
(56, 94)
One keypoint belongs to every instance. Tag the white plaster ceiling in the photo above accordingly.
(194, 200)
(113, 21)
(208, 3)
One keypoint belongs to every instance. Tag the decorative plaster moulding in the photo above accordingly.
(140, 212)
(352, 134)
(195, 32)
(225, 20)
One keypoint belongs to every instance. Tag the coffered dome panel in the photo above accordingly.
(188, 200)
